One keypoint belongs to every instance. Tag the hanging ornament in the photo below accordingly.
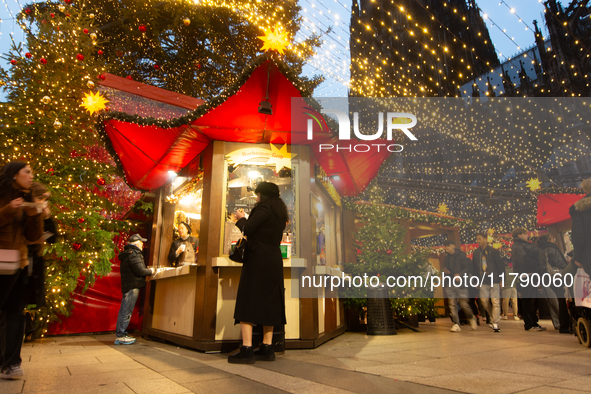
(85, 31)
(43, 60)
(101, 181)
(197, 65)
(52, 15)
(80, 57)
(57, 124)
(91, 16)
(142, 28)
(50, 171)
(534, 184)
(90, 85)
(100, 52)
(28, 55)
(80, 220)
(28, 11)
(76, 246)
(101, 77)
(68, 1)
(93, 36)
(156, 67)
(130, 77)
(46, 100)
(186, 21)
(274, 40)
(94, 102)
(13, 62)
(61, 7)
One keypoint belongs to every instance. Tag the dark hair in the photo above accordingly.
(7, 174)
(483, 235)
(270, 196)
(186, 226)
(449, 242)
(518, 231)
(544, 238)
(37, 189)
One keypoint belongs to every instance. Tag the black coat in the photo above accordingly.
(580, 213)
(526, 257)
(261, 292)
(458, 264)
(494, 262)
(133, 270)
(173, 258)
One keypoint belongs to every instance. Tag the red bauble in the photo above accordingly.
(52, 15)
(13, 62)
(28, 11)
(119, 53)
(31, 122)
(100, 52)
(43, 60)
(81, 220)
(76, 246)
(28, 55)
(101, 77)
(130, 77)
(68, 1)
(142, 28)
(50, 171)
(388, 251)
(197, 65)
(101, 181)
(80, 57)
(156, 67)
(85, 31)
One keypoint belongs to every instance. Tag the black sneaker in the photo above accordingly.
(264, 353)
(244, 355)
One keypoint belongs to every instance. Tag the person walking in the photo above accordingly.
(260, 299)
(580, 214)
(509, 292)
(457, 264)
(487, 263)
(526, 261)
(133, 278)
(19, 224)
(552, 262)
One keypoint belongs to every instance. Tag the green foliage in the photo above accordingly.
(404, 307)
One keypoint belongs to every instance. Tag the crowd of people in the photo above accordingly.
(529, 258)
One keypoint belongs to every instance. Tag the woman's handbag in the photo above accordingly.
(239, 253)
(10, 261)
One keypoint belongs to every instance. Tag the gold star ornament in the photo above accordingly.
(94, 102)
(275, 40)
(442, 208)
(534, 184)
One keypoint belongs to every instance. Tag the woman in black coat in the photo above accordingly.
(260, 299)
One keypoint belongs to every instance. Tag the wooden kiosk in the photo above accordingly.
(201, 168)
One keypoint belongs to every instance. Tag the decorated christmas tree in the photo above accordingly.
(47, 122)
(383, 252)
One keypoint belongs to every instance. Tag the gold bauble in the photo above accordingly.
(187, 21)
(91, 16)
(57, 124)
(93, 36)
(61, 7)
(46, 100)
(90, 84)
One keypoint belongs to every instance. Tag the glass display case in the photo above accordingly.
(242, 180)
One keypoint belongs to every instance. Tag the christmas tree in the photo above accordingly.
(47, 122)
(383, 252)
(197, 48)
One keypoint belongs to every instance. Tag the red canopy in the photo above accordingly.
(553, 208)
(146, 149)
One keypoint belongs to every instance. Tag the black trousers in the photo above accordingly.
(13, 290)
(529, 306)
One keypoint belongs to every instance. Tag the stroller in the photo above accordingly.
(580, 316)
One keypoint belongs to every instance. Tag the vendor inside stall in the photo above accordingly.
(183, 249)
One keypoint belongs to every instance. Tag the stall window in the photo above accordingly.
(324, 221)
(183, 243)
(242, 182)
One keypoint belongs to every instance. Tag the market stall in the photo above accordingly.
(205, 165)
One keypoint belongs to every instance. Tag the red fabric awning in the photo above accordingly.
(553, 208)
(147, 149)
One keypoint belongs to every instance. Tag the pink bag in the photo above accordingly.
(10, 261)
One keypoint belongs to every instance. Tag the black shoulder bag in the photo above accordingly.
(240, 250)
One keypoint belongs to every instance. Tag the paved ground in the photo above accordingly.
(432, 361)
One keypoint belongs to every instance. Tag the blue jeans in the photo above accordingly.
(460, 295)
(127, 305)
